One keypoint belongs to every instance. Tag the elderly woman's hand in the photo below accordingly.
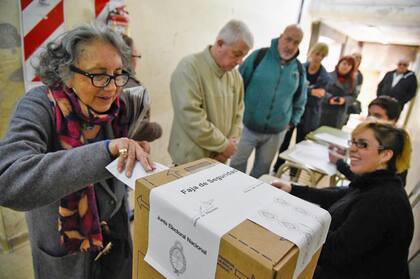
(129, 151)
(282, 185)
(145, 145)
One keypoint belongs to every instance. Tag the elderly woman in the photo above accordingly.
(61, 137)
(372, 221)
(340, 93)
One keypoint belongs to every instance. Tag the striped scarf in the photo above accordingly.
(76, 124)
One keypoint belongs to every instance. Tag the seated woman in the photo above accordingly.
(371, 221)
(340, 93)
(383, 108)
(61, 137)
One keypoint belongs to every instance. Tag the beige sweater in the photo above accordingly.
(208, 108)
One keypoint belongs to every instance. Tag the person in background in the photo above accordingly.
(400, 83)
(371, 221)
(275, 97)
(355, 106)
(61, 137)
(340, 93)
(383, 108)
(358, 75)
(147, 131)
(318, 78)
(135, 56)
(207, 98)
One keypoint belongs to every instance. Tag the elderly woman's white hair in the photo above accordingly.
(234, 31)
(54, 62)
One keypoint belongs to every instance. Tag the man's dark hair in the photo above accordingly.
(390, 105)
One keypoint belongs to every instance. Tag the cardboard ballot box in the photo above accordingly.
(247, 251)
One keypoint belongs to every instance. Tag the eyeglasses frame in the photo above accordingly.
(92, 76)
(362, 144)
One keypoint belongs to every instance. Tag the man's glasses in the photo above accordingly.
(403, 64)
(102, 80)
(361, 144)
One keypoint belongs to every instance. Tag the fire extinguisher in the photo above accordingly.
(118, 19)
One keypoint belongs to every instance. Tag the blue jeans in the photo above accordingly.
(266, 146)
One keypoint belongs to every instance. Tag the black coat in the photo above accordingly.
(371, 227)
(403, 91)
(312, 114)
(334, 115)
(344, 169)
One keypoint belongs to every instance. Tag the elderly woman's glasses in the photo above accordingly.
(102, 80)
(361, 144)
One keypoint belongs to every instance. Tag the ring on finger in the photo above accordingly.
(123, 152)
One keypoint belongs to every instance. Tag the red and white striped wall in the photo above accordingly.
(103, 7)
(101, 10)
(42, 21)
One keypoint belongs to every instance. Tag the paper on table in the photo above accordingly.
(138, 172)
(314, 155)
(332, 139)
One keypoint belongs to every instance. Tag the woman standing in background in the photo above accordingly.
(340, 93)
(318, 78)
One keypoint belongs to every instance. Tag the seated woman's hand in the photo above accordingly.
(335, 153)
(130, 151)
(282, 185)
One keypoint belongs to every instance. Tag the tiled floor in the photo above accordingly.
(17, 264)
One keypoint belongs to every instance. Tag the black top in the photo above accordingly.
(344, 169)
(371, 227)
(312, 78)
(318, 80)
(403, 91)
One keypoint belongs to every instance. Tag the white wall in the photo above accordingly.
(165, 31)
(78, 12)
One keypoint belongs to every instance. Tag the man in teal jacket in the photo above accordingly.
(274, 100)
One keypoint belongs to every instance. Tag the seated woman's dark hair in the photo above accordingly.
(54, 62)
(390, 105)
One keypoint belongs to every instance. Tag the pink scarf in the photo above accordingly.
(79, 223)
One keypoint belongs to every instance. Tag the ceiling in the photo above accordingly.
(384, 21)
